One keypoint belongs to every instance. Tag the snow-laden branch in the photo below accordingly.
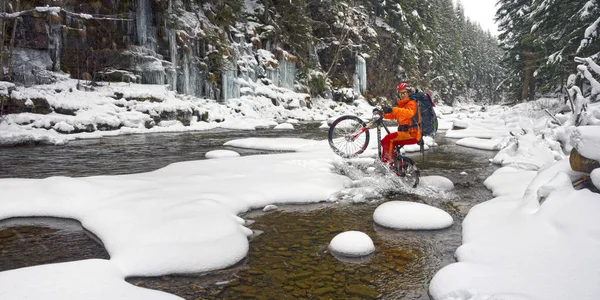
(588, 64)
(55, 10)
(590, 34)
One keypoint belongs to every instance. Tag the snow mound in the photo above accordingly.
(221, 154)
(440, 182)
(352, 244)
(284, 126)
(595, 176)
(411, 215)
(102, 280)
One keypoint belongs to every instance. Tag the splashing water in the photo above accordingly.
(370, 183)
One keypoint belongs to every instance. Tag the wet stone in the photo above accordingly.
(299, 293)
(6, 234)
(328, 272)
(244, 289)
(303, 284)
(300, 275)
(323, 291)
(289, 288)
(255, 272)
(362, 291)
(285, 253)
(196, 288)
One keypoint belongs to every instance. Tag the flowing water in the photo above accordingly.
(289, 258)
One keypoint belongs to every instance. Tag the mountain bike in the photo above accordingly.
(349, 136)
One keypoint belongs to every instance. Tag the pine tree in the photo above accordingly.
(520, 59)
(558, 26)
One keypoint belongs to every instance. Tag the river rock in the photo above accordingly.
(5, 234)
(352, 244)
(581, 163)
(362, 291)
(411, 215)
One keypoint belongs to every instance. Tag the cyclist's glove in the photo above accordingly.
(387, 109)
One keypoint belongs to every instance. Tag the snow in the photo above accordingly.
(440, 182)
(273, 144)
(595, 177)
(352, 244)
(221, 154)
(509, 181)
(93, 279)
(511, 255)
(130, 107)
(586, 139)
(536, 239)
(270, 207)
(411, 215)
(284, 126)
(485, 144)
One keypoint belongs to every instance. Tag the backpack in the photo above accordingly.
(428, 119)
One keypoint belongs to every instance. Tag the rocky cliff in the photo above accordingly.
(198, 46)
(211, 48)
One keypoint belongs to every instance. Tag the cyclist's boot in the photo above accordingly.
(400, 171)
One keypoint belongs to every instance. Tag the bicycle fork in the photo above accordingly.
(379, 141)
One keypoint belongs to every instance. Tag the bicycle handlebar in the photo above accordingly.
(377, 115)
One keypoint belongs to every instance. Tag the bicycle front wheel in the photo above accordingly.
(407, 168)
(348, 136)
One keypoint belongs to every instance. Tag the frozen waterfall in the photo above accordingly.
(55, 41)
(287, 73)
(146, 32)
(231, 88)
(360, 75)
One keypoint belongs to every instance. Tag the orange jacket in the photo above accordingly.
(403, 114)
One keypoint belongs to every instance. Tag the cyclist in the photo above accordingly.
(408, 133)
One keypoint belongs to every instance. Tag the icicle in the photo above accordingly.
(186, 73)
(360, 75)
(141, 21)
(273, 74)
(55, 45)
(228, 78)
(288, 73)
(145, 31)
(173, 52)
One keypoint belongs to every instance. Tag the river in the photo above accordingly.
(289, 258)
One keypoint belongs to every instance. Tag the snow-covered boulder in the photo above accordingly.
(411, 215)
(221, 154)
(352, 244)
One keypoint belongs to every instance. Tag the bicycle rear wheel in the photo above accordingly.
(407, 168)
(348, 136)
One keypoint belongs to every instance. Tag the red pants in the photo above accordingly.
(393, 139)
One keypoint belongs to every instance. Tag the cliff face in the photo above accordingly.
(198, 47)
